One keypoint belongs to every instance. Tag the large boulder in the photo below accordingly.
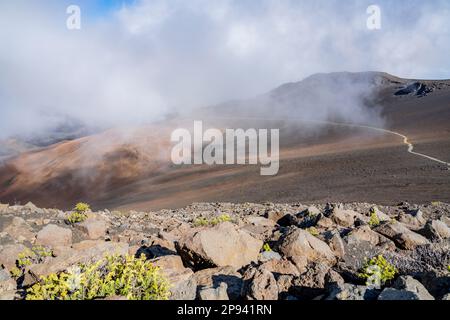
(347, 291)
(298, 242)
(436, 230)
(410, 284)
(6, 282)
(216, 294)
(401, 235)
(53, 236)
(94, 228)
(397, 295)
(20, 230)
(259, 284)
(9, 254)
(363, 233)
(345, 218)
(183, 286)
(311, 283)
(222, 245)
(212, 278)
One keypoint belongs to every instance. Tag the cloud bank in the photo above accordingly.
(145, 59)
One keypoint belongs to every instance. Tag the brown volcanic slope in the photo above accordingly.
(130, 168)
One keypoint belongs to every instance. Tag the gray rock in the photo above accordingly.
(219, 293)
(222, 245)
(408, 283)
(395, 294)
(53, 236)
(348, 291)
(211, 278)
(298, 242)
(269, 255)
(401, 235)
(20, 230)
(259, 284)
(436, 230)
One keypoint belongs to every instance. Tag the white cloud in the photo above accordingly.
(149, 57)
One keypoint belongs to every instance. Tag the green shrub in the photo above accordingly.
(378, 270)
(313, 231)
(374, 221)
(130, 277)
(79, 213)
(266, 247)
(448, 268)
(82, 207)
(203, 222)
(35, 255)
(76, 217)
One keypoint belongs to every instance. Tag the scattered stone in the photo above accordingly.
(222, 245)
(436, 230)
(259, 284)
(347, 291)
(211, 278)
(401, 235)
(410, 284)
(298, 242)
(9, 254)
(269, 255)
(394, 294)
(20, 230)
(363, 233)
(94, 229)
(219, 293)
(52, 236)
(345, 218)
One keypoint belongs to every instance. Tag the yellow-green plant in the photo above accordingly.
(374, 221)
(127, 276)
(79, 213)
(82, 207)
(203, 222)
(266, 247)
(378, 269)
(35, 255)
(76, 217)
(313, 231)
(448, 268)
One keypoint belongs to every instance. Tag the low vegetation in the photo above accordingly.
(130, 277)
(35, 255)
(266, 247)
(374, 221)
(79, 213)
(204, 222)
(378, 271)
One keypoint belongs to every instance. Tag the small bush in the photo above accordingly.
(76, 217)
(313, 231)
(82, 207)
(378, 271)
(266, 247)
(203, 222)
(79, 213)
(35, 255)
(374, 221)
(130, 277)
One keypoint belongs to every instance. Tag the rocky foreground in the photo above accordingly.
(222, 251)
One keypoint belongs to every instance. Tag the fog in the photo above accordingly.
(142, 60)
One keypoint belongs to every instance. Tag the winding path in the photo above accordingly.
(405, 138)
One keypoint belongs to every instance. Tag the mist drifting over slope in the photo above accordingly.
(141, 60)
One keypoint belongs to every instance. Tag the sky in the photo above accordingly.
(135, 61)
